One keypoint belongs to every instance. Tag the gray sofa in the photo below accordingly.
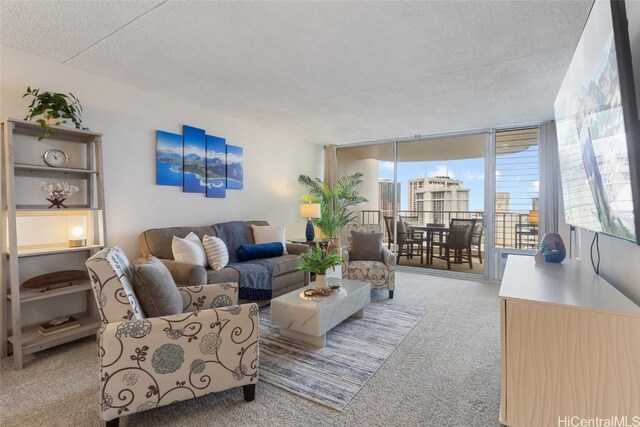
(157, 242)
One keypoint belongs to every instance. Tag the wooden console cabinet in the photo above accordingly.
(570, 345)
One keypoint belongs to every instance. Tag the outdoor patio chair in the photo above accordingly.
(408, 240)
(457, 242)
(476, 240)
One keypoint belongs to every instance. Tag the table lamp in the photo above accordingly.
(533, 217)
(310, 210)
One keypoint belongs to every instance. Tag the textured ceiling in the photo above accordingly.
(332, 72)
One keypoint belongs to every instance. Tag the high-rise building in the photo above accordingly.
(502, 201)
(432, 198)
(386, 195)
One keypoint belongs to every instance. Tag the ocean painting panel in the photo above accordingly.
(195, 147)
(235, 169)
(168, 158)
(216, 167)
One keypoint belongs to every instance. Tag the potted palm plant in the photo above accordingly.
(318, 260)
(335, 202)
(56, 109)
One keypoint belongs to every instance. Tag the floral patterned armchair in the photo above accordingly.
(150, 362)
(382, 275)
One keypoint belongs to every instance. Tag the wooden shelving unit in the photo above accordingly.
(37, 236)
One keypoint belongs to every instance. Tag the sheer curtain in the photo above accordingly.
(549, 178)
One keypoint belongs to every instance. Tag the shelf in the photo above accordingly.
(75, 171)
(63, 133)
(32, 341)
(33, 210)
(48, 250)
(27, 295)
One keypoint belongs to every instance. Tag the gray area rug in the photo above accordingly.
(355, 350)
(446, 372)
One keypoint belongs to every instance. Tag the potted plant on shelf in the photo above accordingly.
(335, 202)
(318, 260)
(56, 109)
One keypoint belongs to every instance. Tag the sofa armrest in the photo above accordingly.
(154, 362)
(208, 296)
(186, 274)
(297, 248)
(389, 258)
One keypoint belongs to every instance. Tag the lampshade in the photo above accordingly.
(533, 217)
(310, 210)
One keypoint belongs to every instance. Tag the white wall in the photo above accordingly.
(128, 118)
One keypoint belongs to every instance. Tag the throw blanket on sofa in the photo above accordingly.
(255, 276)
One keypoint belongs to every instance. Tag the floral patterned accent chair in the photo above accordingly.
(151, 362)
(381, 274)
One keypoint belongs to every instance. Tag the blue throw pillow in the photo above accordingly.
(259, 251)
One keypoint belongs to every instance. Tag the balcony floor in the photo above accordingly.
(439, 264)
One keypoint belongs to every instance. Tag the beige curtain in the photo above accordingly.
(330, 164)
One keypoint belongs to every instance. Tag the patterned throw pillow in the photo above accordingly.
(270, 234)
(189, 250)
(366, 246)
(216, 252)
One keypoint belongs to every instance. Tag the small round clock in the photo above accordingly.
(55, 158)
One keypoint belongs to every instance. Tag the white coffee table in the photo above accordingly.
(308, 319)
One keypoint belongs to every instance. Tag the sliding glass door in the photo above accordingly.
(451, 203)
(441, 211)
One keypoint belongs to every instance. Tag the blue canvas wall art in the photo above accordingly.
(235, 168)
(168, 158)
(195, 147)
(216, 167)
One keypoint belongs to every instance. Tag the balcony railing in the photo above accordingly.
(512, 229)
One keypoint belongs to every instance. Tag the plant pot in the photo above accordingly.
(321, 281)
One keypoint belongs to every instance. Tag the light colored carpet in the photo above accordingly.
(446, 372)
(355, 350)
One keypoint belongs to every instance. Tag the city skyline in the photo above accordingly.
(469, 171)
(521, 182)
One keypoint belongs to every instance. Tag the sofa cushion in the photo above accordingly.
(270, 234)
(155, 289)
(216, 251)
(283, 264)
(260, 251)
(189, 250)
(157, 241)
(366, 246)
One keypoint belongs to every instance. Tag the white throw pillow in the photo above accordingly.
(269, 234)
(189, 250)
(216, 250)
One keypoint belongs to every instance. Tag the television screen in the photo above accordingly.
(592, 120)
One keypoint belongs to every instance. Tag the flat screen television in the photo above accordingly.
(597, 126)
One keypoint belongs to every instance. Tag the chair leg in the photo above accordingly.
(390, 294)
(470, 258)
(480, 255)
(249, 392)
(448, 255)
(113, 423)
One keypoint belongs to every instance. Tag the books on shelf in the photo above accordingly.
(58, 325)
